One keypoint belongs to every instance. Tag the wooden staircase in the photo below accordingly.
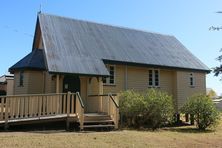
(98, 121)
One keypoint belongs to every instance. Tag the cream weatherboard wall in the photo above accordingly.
(35, 82)
(32, 82)
(119, 81)
(136, 78)
(174, 82)
(183, 88)
(10, 87)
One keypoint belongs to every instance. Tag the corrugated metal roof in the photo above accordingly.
(69, 42)
(34, 60)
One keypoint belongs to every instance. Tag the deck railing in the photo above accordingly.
(40, 105)
(80, 110)
(109, 105)
(113, 109)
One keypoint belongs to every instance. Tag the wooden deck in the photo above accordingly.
(31, 120)
(28, 109)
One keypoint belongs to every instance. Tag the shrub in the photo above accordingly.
(203, 109)
(159, 108)
(151, 108)
(131, 106)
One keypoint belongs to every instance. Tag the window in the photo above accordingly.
(153, 78)
(111, 79)
(21, 78)
(191, 79)
(150, 77)
(156, 77)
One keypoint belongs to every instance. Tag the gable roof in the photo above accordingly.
(34, 60)
(75, 46)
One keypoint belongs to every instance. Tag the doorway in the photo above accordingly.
(71, 84)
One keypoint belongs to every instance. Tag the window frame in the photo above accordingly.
(108, 78)
(21, 78)
(154, 78)
(191, 80)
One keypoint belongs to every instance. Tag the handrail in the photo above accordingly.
(110, 95)
(80, 99)
(30, 95)
(102, 95)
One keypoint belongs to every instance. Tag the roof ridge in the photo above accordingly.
(109, 25)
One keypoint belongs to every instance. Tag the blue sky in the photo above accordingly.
(187, 20)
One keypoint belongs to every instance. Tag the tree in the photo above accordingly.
(211, 93)
(218, 69)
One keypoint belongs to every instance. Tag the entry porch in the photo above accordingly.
(69, 106)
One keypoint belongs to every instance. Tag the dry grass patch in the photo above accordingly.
(168, 137)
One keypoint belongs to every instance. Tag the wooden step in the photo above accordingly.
(100, 121)
(96, 119)
(98, 125)
(95, 114)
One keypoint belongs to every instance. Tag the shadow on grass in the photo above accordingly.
(181, 128)
(43, 128)
(191, 129)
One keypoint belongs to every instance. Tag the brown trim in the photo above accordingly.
(78, 74)
(111, 85)
(154, 66)
(101, 95)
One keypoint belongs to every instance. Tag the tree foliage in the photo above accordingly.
(218, 69)
(211, 93)
(151, 108)
(203, 109)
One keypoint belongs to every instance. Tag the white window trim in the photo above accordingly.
(108, 79)
(153, 78)
(192, 86)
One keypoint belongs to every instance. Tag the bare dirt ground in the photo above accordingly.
(186, 136)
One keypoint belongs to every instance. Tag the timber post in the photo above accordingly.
(57, 83)
(6, 113)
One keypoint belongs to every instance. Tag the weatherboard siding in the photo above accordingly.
(35, 82)
(175, 83)
(119, 81)
(21, 89)
(32, 82)
(167, 81)
(10, 87)
(83, 88)
(50, 83)
(94, 87)
(137, 78)
(184, 90)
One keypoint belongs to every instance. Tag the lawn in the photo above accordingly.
(185, 136)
